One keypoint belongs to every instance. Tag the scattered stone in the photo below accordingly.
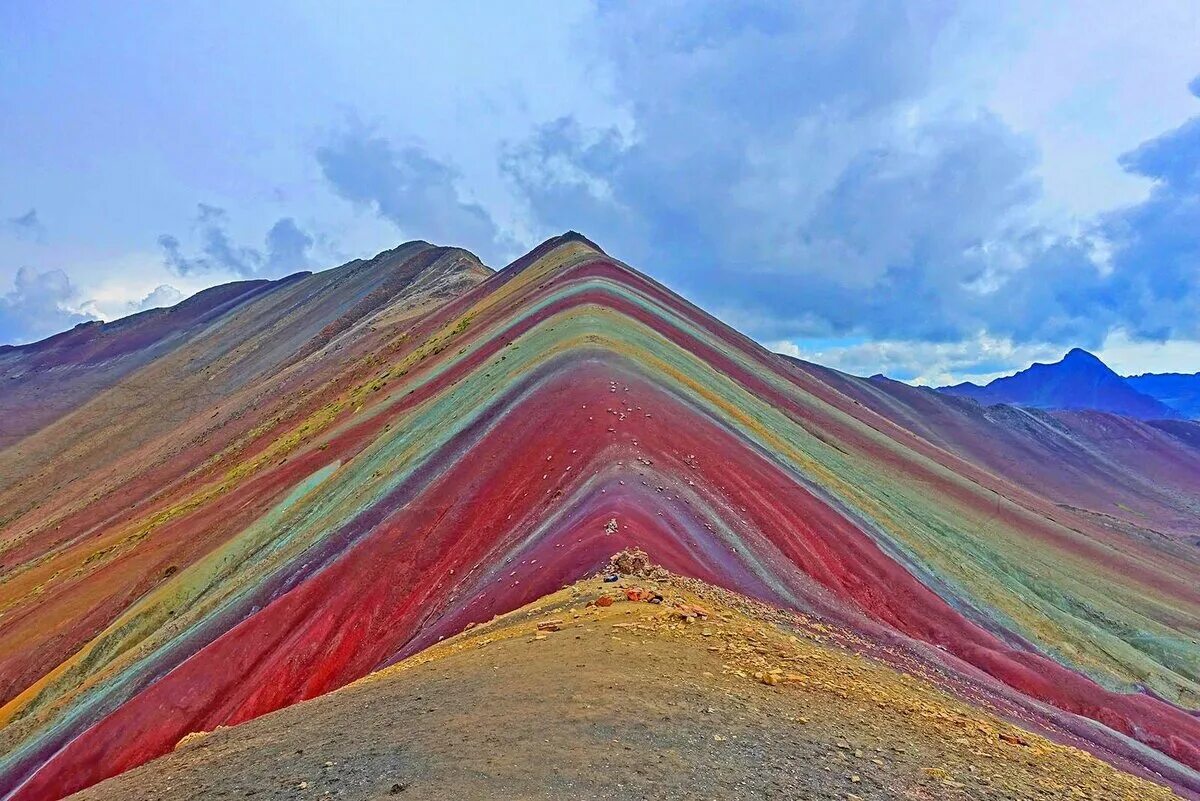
(1008, 737)
(190, 739)
(195, 737)
(691, 611)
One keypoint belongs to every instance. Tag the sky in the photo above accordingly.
(937, 191)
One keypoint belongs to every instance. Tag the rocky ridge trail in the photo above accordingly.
(633, 684)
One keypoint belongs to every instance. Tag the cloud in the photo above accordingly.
(287, 249)
(1156, 244)
(1145, 280)
(174, 259)
(925, 226)
(409, 188)
(978, 359)
(1131, 357)
(26, 226)
(40, 304)
(742, 118)
(161, 297)
(792, 169)
(219, 254)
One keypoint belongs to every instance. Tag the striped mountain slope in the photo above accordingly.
(383, 461)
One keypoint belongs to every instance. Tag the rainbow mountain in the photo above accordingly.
(215, 511)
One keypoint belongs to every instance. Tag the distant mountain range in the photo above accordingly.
(1082, 381)
(1180, 391)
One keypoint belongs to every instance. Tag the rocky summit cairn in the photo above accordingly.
(634, 562)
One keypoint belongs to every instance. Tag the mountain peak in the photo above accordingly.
(1080, 356)
(357, 464)
(1080, 380)
(574, 236)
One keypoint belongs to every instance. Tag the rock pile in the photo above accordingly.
(635, 562)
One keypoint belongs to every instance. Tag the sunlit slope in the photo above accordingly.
(464, 462)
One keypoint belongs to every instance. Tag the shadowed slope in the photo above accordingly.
(462, 463)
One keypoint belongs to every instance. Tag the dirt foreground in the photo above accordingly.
(674, 689)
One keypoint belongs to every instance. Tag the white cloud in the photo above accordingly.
(1089, 80)
(39, 304)
(117, 285)
(982, 358)
(418, 193)
(978, 359)
(1132, 357)
(162, 297)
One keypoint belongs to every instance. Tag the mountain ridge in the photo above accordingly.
(686, 679)
(47, 379)
(1079, 380)
(1180, 391)
(450, 456)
